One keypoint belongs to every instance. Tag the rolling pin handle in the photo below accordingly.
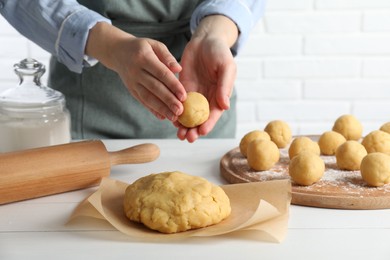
(136, 154)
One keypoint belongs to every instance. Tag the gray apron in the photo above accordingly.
(99, 103)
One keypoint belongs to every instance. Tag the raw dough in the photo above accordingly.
(306, 168)
(262, 154)
(303, 143)
(249, 137)
(385, 127)
(377, 141)
(280, 132)
(349, 155)
(196, 110)
(375, 169)
(329, 142)
(174, 202)
(349, 126)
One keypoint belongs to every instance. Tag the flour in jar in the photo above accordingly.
(26, 134)
(32, 114)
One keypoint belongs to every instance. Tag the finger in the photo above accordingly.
(182, 132)
(208, 126)
(159, 90)
(154, 104)
(155, 113)
(225, 86)
(166, 57)
(192, 135)
(164, 54)
(168, 79)
(176, 124)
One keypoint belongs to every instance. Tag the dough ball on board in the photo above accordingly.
(249, 137)
(306, 168)
(280, 132)
(349, 126)
(375, 169)
(173, 202)
(301, 144)
(196, 110)
(329, 142)
(377, 141)
(385, 127)
(349, 155)
(262, 154)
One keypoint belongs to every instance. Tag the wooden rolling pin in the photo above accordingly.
(50, 170)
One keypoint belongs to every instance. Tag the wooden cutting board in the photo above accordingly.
(337, 189)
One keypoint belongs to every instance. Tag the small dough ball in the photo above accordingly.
(377, 141)
(262, 154)
(196, 110)
(349, 126)
(330, 141)
(306, 168)
(375, 169)
(349, 155)
(174, 202)
(385, 127)
(280, 132)
(249, 137)
(303, 143)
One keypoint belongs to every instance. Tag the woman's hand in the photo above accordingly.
(146, 67)
(209, 68)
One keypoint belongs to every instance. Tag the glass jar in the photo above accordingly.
(31, 114)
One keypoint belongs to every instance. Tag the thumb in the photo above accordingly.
(225, 86)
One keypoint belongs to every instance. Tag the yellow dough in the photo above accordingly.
(262, 154)
(249, 137)
(385, 127)
(280, 132)
(349, 126)
(301, 144)
(375, 169)
(329, 142)
(172, 202)
(377, 141)
(349, 155)
(306, 168)
(196, 110)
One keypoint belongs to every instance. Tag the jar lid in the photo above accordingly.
(30, 92)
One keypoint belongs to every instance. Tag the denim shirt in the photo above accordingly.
(62, 27)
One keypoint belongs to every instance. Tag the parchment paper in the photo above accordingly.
(261, 208)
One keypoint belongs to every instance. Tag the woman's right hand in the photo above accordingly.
(146, 67)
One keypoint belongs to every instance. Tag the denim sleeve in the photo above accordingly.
(59, 27)
(245, 13)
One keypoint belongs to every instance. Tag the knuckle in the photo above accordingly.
(163, 74)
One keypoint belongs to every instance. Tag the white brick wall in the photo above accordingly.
(318, 59)
(307, 62)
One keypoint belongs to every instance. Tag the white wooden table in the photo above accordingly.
(36, 229)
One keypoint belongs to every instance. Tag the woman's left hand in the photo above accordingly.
(208, 67)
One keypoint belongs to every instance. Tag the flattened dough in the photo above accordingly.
(172, 202)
